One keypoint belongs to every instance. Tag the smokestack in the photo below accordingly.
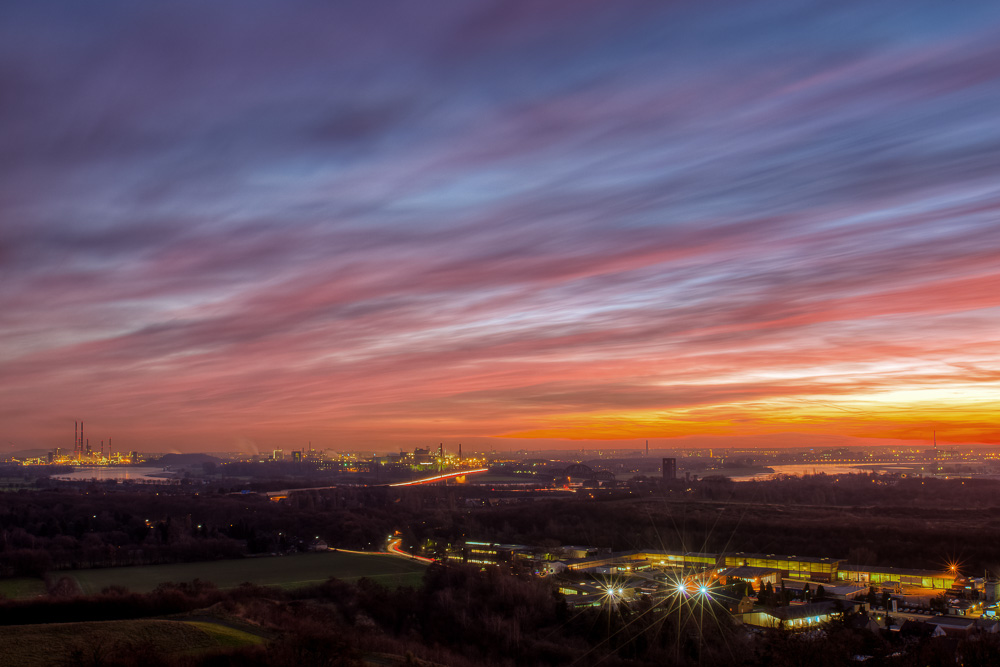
(647, 448)
(76, 434)
(459, 452)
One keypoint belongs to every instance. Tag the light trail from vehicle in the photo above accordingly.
(393, 548)
(363, 553)
(438, 478)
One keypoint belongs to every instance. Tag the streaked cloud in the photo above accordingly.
(361, 227)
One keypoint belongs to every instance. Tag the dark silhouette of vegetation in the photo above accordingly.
(864, 519)
(467, 616)
(47, 530)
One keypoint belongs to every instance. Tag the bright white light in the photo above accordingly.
(681, 588)
(703, 590)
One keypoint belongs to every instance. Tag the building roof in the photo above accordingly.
(747, 571)
(830, 589)
(661, 552)
(960, 622)
(897, 570)
(920, 628)
(801, 559)
(988, 624)
(804, 610)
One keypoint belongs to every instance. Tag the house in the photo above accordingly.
(920, 629)
(550, 567)
(956, 626)
(734, 605)
(797, 617)
(755, 576)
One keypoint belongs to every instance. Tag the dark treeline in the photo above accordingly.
(851, 490)
(50, 529)
(865, 519)
(467, 616)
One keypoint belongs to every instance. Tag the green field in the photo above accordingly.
(21, 587)
(282, 571)
(96, 642)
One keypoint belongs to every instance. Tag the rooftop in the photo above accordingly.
(897, 570)
(805, 610)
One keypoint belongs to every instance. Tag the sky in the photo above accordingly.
(236, 226)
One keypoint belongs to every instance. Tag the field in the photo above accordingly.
(21, 587)
(105, 642)
(282, 571)
(95, 642)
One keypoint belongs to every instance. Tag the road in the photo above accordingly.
(393, 548)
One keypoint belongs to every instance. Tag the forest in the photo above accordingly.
(464, 617)
(865, 519)
(490, 616)
(107, 526)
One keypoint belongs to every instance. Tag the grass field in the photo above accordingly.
(54, 643)
(282, 571)
(21, 587)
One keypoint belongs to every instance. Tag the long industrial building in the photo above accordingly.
(830, 570)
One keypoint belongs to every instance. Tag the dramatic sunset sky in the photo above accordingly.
(514, 223)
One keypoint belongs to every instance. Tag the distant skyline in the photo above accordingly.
(242, 226)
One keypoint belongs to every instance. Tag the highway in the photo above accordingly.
(442, 477)
(393, 548)
(281, 495)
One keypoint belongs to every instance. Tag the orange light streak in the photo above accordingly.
(437, 478)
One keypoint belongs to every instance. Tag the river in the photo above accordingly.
(120, 473)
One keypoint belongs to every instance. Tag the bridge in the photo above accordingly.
(440, 478)
(281, 495)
